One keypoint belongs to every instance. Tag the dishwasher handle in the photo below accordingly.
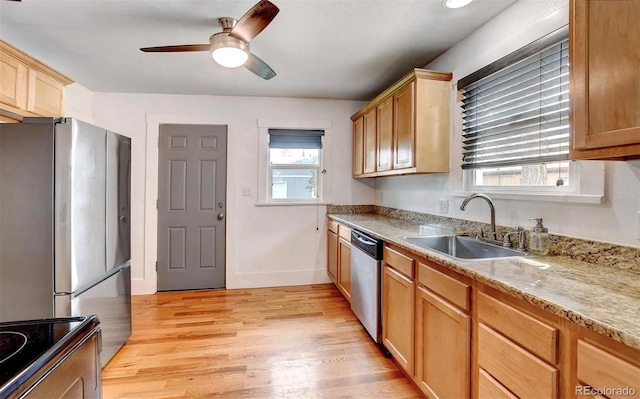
(370, 245)
(365, 240)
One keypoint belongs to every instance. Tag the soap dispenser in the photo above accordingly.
(539, 238)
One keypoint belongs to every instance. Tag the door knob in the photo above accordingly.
(220, 216)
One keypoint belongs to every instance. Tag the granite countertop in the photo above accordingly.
(588, 294)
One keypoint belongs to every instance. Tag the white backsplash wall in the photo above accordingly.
(266, 246)
(616, 220)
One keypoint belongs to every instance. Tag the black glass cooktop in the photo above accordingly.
(23, 343)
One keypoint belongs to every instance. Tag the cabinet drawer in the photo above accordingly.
(599, 369)
(449, 288)
(332, 225)
(489, 388)
(344, 232)
(534, 335)
(515, 368)
(398, 261)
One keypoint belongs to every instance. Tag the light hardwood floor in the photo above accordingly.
(286, 342)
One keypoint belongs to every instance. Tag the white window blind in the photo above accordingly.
(519, 114)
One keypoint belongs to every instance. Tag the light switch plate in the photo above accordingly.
(381, 197)
(246, 191)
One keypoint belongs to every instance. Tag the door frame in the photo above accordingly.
(147, 283)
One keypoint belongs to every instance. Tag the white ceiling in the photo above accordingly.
(338, 49)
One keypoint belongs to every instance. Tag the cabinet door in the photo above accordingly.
(398, 309)
(46, 95)
(344, 271)
(385, 134)
(332, 256)
(370, 141)
(358, 146)
(443, 347)
(604, 78)
(13, 82)
(404, 126)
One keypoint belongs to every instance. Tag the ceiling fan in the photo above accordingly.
(230, 48)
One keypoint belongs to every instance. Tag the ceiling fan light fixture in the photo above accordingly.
(228, 51)
(230, 57)
(455, 3)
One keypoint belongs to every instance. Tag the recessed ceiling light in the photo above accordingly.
(455, 3)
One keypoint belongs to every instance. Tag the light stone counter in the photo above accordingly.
(603, 299)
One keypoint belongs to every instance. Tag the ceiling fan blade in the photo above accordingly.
(254, 21)
(176, 49)
(259, 67)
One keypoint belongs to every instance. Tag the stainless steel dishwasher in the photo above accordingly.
(366, 254)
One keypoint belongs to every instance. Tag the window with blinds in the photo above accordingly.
(295, 164)
(516, 116)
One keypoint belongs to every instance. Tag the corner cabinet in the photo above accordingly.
(28, 87)
(405, 129)
(605, 84)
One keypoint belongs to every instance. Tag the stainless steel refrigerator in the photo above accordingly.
(65, 237)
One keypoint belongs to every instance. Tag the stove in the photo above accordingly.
(26, 346)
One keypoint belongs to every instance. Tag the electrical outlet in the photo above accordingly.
(246, 191)
(381, 197)
(443, 206)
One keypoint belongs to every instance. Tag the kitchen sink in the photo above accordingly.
(463, 247)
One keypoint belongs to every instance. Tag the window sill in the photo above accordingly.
(542, 197)
(292, 203)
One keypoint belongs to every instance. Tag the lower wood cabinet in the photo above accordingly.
(398, 307)
(458, 338)
(397, 316)
(339, 256)
(332, 251)
(344, 267)
(443, 347)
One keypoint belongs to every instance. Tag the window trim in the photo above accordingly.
(581, 191)
(264, 169)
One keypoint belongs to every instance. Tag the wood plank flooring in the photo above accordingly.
(286, 342)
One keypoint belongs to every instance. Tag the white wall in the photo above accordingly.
(266, 246)
(616, 220)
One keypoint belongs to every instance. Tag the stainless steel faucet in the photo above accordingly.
(506, 240)
(492, 234)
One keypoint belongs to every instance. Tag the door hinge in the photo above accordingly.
(158, 141)
(156, 266)
(157, 204)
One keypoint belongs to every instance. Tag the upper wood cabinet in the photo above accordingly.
(384, 132)
(369, 142)
(28, 87)
(358, 146)
(605, 84)
(411, 129)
